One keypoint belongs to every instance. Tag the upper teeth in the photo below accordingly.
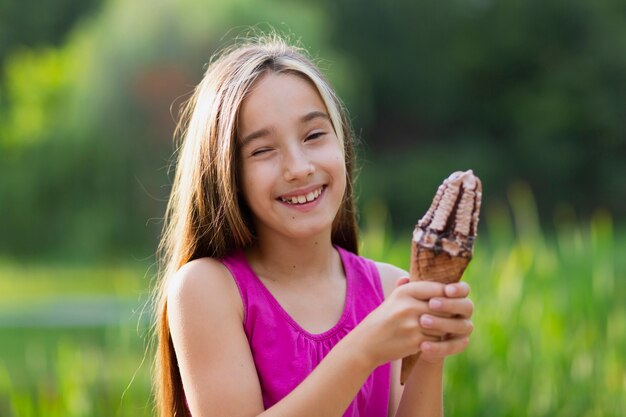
(299, 199)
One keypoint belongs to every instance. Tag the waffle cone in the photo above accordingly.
(427, 264)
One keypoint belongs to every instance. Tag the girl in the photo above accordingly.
(265, 308)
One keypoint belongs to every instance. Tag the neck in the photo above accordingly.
(283, 259)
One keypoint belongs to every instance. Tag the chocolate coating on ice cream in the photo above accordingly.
(451, 222)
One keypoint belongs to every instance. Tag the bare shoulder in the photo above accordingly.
(203, 282)
(389, 274)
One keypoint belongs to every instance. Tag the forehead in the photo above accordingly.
(278, 98)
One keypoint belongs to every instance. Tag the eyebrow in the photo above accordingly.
(265, 131)
(314, 115)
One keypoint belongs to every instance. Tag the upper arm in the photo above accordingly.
(389, 274)
(205, 315)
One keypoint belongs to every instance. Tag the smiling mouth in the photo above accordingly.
(304, 198)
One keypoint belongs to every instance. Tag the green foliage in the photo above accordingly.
(54, 364)
(35, 85)
(530, 90)
(32, 23)
(74, 372)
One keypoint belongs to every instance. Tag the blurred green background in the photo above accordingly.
(530, 94)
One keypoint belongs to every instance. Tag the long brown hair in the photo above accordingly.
(205, 216)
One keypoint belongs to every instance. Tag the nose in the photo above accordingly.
(297, 164)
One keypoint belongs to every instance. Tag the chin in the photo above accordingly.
(309, 232)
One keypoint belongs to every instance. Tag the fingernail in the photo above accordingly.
(426, 346)
(427, 320)
(435, 303)
(451, 290)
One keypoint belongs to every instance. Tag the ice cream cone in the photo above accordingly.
(443, 239)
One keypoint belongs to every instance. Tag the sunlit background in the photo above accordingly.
(529, 94)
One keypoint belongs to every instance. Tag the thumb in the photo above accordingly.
(402, 281)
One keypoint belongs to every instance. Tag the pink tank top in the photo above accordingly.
(285, 354)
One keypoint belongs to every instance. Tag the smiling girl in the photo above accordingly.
(264, 306)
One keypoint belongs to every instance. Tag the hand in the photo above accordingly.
(448, 318)
(393, 330)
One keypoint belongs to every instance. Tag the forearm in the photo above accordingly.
(329, 389)
(423, 393)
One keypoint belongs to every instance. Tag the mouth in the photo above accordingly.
(303, 198)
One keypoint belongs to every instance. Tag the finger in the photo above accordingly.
(446, 326)
(423, 290)
(431, 338)
(449, 307)
(436, 350)
(427, 325)
(402, 281)
(457, 290)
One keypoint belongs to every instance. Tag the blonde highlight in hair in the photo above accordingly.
(205, 215)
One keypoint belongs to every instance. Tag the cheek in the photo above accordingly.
(256, 180)
(333, 153)
(339, 161)
(336, 161)
(343, 180)
(339, 172)
(247, 183)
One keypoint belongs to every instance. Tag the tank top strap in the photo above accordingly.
(244, 277)
(368, 287)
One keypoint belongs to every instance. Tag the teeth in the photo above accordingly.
(301, 199)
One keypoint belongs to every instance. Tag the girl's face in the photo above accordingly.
(293, 173)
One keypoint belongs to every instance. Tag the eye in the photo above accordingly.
(315, 135)
(260, 151)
